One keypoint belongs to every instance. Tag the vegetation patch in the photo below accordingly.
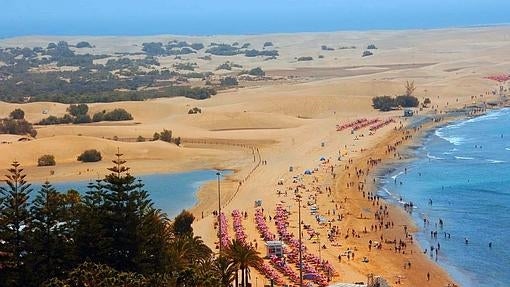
(305, 58)
(46, 160)
(90, 155)
(78, 114)
(326, 48)
(16, 124)
(387, 103)
(366, 54)
(229, 81)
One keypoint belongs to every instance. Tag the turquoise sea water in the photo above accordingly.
(464, 170)
(171, 192)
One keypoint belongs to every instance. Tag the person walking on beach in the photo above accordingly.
(428, 276)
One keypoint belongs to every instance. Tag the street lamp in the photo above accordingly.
(218, 174)
(320, 247)
(300, 243)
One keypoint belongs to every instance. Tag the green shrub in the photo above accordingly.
(305, 58)
(17, 114)
(229, 81)
(256, 53)
(82, 119)
(224, 66)
(195, 110)
(140, 139)
(407, 101)
(112, 116)
(383, 103)
(17, 127)
(83, 44)
(46, 160)
(90, 155)
(257, 72)
(166, 135)
(197, 46)
(77, 110)
(99, 116)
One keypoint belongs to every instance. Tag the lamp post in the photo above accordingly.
(320, 247)
(300, 244)
(218, 174)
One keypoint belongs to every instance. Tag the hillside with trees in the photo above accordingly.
(117, 79)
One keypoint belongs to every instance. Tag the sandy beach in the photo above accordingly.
(269, 133)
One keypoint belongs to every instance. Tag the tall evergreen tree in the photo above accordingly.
(14, 225)
(50, 239)
(127, 204)
(90, 230)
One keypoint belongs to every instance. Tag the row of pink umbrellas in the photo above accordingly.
(223, 231)
(381, 124)
(264, 268)
(309, 260)
(350, 124)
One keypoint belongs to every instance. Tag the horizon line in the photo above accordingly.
(489, 25)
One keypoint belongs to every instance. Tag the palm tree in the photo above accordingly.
(244, 256)
(410, 88)
(187, 253)
(225, 269)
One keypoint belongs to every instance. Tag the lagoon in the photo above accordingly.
(170, 192)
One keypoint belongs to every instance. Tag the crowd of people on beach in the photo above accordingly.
(330, 209)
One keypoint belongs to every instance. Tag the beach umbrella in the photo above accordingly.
(322, 159)
(308, 172)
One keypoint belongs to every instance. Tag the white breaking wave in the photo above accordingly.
(490, 116)
(507, 148)
(434, 157)
(386, 191)
(397, 175)
(495, 161)
(451, 139)
(463, 157)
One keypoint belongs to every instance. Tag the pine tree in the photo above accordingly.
(49, 240)
(90, 230)
(14, 225)
(127, 204)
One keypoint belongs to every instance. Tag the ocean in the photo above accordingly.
(461, 175)
(205, 17)
(170, 192)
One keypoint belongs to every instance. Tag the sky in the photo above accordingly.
(206, 17)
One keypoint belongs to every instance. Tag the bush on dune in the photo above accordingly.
(90, 155)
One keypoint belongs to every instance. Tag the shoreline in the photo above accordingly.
(393, 271)
(388, 166)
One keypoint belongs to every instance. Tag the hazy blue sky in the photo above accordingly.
(103, 17)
